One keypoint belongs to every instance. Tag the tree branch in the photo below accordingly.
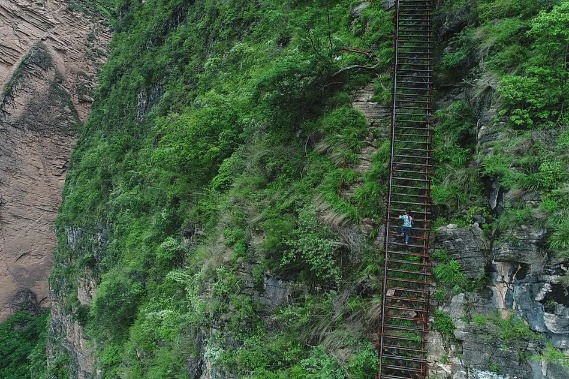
(367, 53)
(354, 67)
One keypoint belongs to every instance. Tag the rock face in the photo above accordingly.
(467, 246)
(49, 62)
(500, 328)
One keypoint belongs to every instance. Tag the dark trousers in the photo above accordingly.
(406, 230)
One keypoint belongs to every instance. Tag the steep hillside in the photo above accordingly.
(203, 232)
(222, 211)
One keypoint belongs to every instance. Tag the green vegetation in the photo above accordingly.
(211, 163)
(505, 133)
(211, 166)
(508, 329)
(22, 351)
(450, 279)
(517, 50)
(552, 355)
(443, 323)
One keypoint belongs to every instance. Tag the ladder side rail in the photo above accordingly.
(390, 187)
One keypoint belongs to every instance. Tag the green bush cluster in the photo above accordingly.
(23, 347)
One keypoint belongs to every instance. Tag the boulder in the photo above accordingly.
(468, 246)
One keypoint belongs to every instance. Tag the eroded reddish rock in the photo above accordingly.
(50, 58)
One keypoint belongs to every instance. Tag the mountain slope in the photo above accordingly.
(217, 222)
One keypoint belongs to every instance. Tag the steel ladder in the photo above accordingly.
(407, 270)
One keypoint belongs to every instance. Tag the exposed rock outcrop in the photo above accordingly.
(498, 327)
(468, 246)
(49, 61)
(73, 341)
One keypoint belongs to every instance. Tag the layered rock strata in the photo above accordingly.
(49, 62)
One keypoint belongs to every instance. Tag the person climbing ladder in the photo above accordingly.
(407, 225)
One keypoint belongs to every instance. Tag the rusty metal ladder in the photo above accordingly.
(407, 269)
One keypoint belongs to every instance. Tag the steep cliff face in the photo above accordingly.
(511, 320)
(221, 214)
(49, 61)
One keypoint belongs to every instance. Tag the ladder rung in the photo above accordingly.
(414, 92)
(426, 33)
(403, 280)
(405, 107)
(409, 62)
(408, 245)
(418, 310)
(414, 95)
(415, 220)
(403, 96)
(393, 209)
(405, 328)
(390, 376)
(402, 338)
(413, 237)
(400, 121)
(405, 253)
(422, 264)
(409, 141)
(412, 156)
(413, 17)
(425, 56)
(418, 172)
(404, 60)
(404, 358)
(413, 89)
(428, 48)
(415, 82)
(423, 172)
(412, 70)
(413, 76)
(422, 44)
(411, 179)
(413, 164)
(416, 237)
(411, 187)
(410, 114)
(422, 117)
(421, 273)
(414, 290)
(409, 194)
(413, 149)
(401, 368)
(413, 12)
(403, 318)
(414, 128)
(404, 348)
(422, 34)
(412, 300)
(415, 229)
(414, 101)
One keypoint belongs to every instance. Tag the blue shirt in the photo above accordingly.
(407, 221)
